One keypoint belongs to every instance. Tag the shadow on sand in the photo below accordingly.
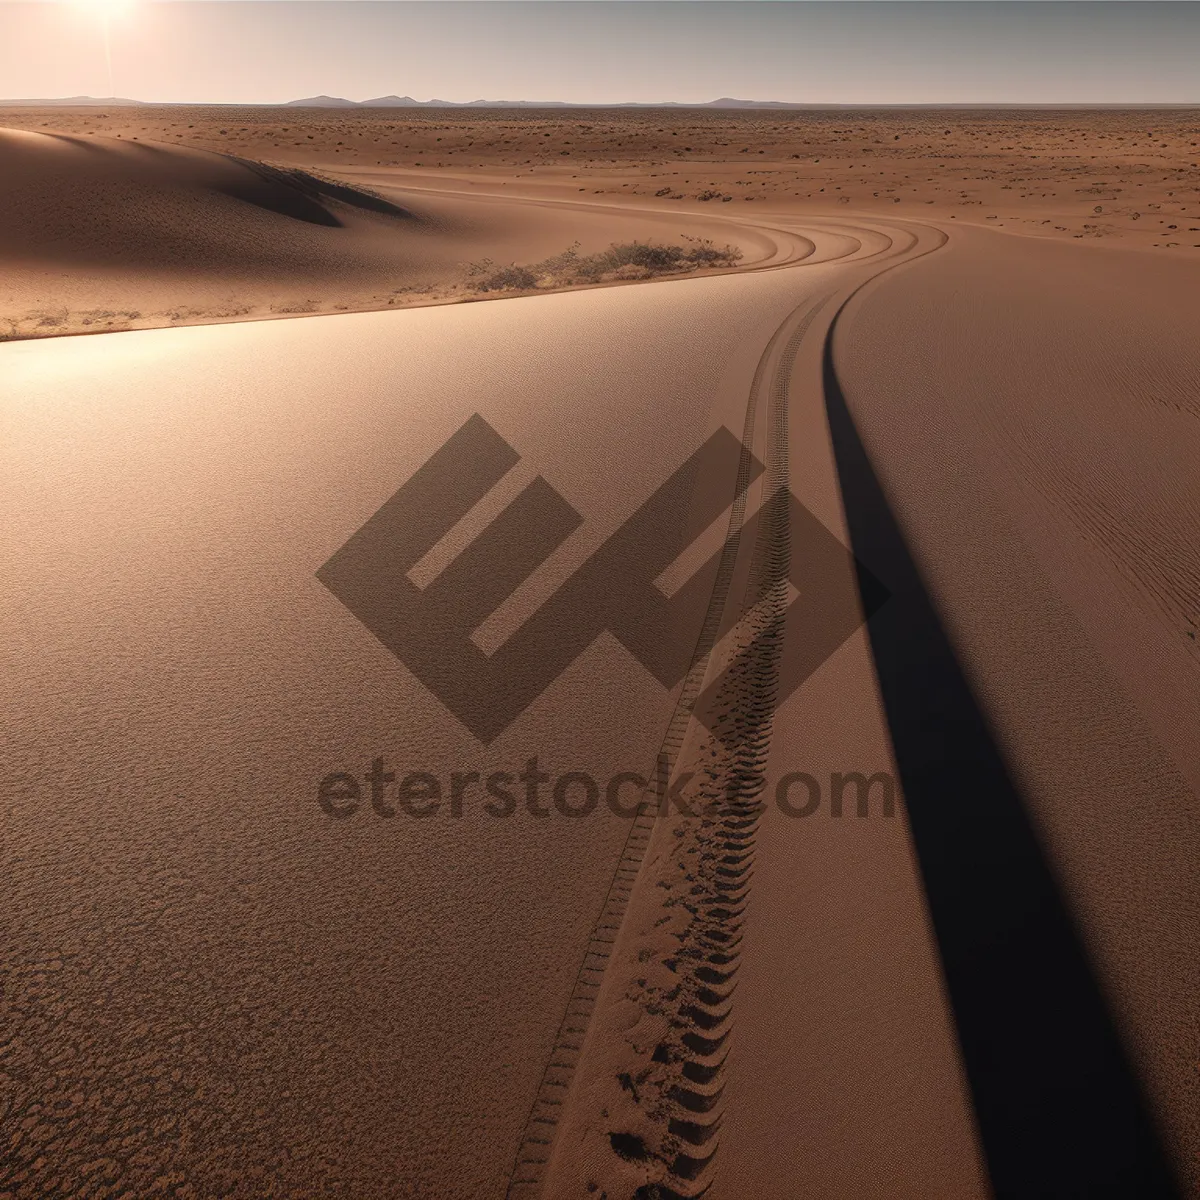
(1060, 1112)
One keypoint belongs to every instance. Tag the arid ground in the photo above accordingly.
(919, 921)
(1121, 177)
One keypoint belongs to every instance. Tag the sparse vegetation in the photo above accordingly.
(621, 261)
(505, 279)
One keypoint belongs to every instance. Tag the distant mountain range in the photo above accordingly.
(725, 102)
(70, 101)
(409, 102)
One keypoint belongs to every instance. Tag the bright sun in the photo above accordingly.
(105, 9)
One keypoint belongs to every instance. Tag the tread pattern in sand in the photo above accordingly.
(692, 874)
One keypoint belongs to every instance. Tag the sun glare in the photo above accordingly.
(105, 9)
(107, 15)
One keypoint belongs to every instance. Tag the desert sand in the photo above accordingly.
(1123, 177)
(974, 382)
(103, 233)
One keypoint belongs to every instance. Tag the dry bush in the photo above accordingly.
(509, 279)
(624, 260)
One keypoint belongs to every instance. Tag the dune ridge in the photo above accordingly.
(101, 233)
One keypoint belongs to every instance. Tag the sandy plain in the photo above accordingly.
(214, 989)
(1116, 177)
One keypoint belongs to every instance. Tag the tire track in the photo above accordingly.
(708, 873)
(720, 838)
(680, 928)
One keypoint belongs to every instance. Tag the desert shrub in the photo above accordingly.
(657, 259)
(509, 279)
(631, 271)
(558, 264)
(704, 253)
(622, 260)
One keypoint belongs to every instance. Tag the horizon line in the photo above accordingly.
(726, 103)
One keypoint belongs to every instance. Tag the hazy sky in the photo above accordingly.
(840, 51)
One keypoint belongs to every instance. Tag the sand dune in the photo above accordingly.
(133, 227)
(99, 201)
(102, 233)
